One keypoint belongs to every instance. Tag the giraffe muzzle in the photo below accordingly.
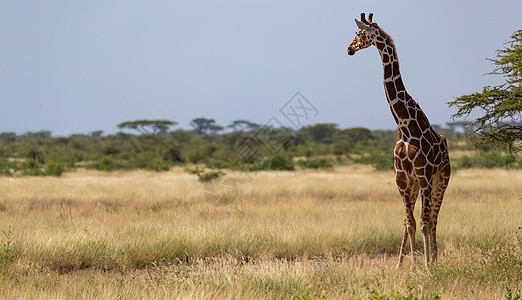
(351, 51)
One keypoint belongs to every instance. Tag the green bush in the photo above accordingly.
(218, 164)
(107, 165)
(111, 150)
(29, 164)
(278, 162)
(488, 160)
(6, 166)
(54, 169)
(195, 156)
(172, 154)
(141, 162)
(205, 176)
(318, 163)
(157, 166)
(379, 162)
(33, 172)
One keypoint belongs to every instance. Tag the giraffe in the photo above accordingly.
(421, 154)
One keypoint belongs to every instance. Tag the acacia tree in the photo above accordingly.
(500, 106)
(204, 125)
(148, 126)
(243, 125)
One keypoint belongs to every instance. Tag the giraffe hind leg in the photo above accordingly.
(414, 193)
(440, 183)
(426, 189)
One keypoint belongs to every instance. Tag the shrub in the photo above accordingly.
(278, 162)
(172, 154)
(157, 166)
(107, 165)
(379, 162)
(111, 150)
(218, 164)
(141, 162)
(6, 166)
(33, 172)
(318, 163)
(29, 164)
(488, 160)
(36, 155)
(205, 176)
(55, 169)
(195, 156)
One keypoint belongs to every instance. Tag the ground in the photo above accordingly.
(289, 235)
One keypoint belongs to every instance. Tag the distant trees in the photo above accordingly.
(269, 148)
(96, 133)
(42, 134)
(500, 123)
(321, 133)
(205, 126)
(7, 137)
(353, 135)
(157, 127)
(243, 125)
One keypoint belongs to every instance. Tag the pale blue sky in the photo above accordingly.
(79, 66)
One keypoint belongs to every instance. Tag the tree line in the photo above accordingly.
(157, 145)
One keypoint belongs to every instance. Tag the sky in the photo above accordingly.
(80, 66)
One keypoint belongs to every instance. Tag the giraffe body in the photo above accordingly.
(421, 154)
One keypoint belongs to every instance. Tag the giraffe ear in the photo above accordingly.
(364, 27)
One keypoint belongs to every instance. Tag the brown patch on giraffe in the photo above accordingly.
(414, 128)
(425, 144)
(401, 153)
(411, 151)
(399, 85)
(400, 110)
(420, 171)
(389, 42)
(402, 184)
(390, 88)
(388, 71)
(415, 143)
(446, 171)
(420, 160)
(438, 159)
(423, 121)
(395, 68)
(422, 181)
(385, 58)
(379, 46)
(429, 169)
(436, 149)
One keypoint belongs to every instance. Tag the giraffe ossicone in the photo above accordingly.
(421, 154)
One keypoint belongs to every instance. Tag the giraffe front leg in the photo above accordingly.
(403, 243)
(411, 232)
(409, 195)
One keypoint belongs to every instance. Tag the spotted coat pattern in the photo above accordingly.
(421, 153)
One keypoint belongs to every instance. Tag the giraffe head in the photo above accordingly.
(365, 35)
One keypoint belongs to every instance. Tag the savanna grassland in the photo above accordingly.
(287, 235)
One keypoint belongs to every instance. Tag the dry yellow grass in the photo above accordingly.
(307, 233)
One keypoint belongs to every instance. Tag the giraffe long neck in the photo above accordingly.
(411, 120)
